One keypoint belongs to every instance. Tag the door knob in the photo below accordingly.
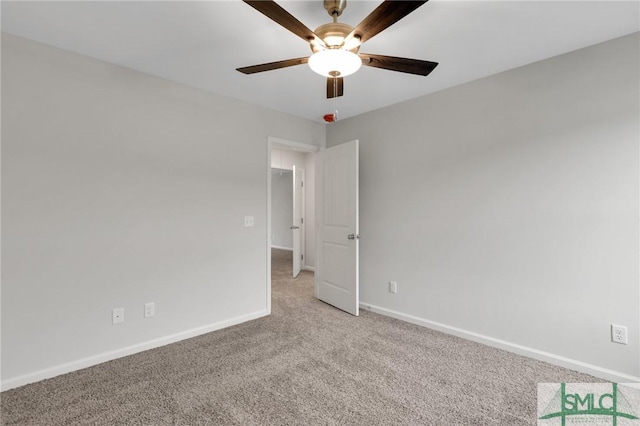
(294, 227)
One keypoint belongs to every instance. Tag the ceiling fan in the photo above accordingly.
(336, 45)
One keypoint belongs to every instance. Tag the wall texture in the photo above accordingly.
(508, 207)
(119, 188)
(285, 158)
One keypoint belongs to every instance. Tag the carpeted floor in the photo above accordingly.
(306, 364)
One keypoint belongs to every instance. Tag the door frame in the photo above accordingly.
(298, 205)
(273, 142)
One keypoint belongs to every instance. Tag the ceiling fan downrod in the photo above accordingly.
(335, 8)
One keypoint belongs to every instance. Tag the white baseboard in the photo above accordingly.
(583, 367)
(282, 248)
(309, 268)
(119, 353)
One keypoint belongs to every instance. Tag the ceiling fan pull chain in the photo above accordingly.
(335, 91)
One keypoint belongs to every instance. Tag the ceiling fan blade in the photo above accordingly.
(272, 65)
(410, 66)
(335, 87)
(385, 15)
(276, 13)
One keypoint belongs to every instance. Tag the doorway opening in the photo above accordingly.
(336, 254)
(288, 205)
(290, 210)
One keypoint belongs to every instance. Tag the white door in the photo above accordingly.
(296, 227)
(337, 219)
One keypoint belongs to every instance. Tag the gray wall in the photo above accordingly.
(508, 206)
(119, 188)
(282, 209)
(285, 158)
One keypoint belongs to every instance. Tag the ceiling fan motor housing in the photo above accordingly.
(333, 34)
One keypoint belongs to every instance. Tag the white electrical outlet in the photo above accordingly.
(393, 287)
(249, 221)
(117, 315)
(149, 309)
(619, 334)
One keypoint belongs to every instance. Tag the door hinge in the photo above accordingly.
(301, 183)
(302, 257)
(302, 220)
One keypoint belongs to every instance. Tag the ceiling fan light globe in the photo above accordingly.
(328, 62)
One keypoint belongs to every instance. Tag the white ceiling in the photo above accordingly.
(201, 43)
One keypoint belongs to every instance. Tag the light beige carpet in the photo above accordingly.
(306, 364)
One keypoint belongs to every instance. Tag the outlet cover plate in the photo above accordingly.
(117, 316)
(619, 334)
(149, 309)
